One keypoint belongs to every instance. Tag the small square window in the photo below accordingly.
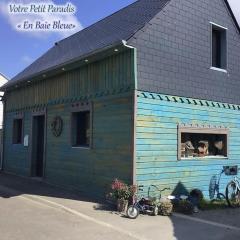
(219, 47)
(81, 129)
(17, 131)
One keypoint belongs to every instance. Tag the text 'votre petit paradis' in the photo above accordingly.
(41, 8)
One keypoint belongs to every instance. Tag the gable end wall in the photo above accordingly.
(174, 52)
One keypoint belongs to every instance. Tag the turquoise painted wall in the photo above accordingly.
(156, 141)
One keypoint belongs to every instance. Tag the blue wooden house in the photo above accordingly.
(149, 95)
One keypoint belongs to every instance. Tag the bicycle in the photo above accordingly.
(214, 189)
(233, 192)
(144, 205)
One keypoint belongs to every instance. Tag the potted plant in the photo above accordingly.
(122, 193)
(165, 208)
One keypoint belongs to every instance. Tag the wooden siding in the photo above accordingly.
(156, 141)
(111, 153)
(16, 156)
(87, 170)
(113, 73)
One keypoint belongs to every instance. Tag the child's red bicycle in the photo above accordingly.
(144, 205)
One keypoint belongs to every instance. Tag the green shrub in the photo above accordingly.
(211, 205)
(184, 206)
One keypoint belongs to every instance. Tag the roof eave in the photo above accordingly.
(57, 69)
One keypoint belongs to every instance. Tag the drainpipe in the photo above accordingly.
(135, 61)
(2, 137)
(134, 182)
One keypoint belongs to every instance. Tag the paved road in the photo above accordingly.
(28, 215)
(22, 219)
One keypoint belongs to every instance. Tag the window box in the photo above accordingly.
(202, 142)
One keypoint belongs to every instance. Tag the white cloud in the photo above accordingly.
(26, 59)
(16, 19)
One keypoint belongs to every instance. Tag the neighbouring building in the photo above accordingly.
(3, 80)
(149, 95)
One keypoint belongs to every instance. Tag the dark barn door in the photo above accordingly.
(38, 145)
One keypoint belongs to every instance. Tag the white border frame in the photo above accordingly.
(202, 130)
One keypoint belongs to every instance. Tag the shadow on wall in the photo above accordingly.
(180, 189)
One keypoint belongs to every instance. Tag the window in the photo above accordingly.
(219, 47)
(17, 131)
(202, 142)
(81, 129)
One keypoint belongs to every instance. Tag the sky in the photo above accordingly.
(20, 48)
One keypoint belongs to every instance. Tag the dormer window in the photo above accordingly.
(219, 47)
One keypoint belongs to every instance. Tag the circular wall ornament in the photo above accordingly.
(57, 126)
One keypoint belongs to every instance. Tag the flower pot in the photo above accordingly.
(165, 208)
(122, 205)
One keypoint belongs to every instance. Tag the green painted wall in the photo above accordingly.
(156, 141)
(16, 156)
(107, 85)
(110, 156)
(106, 76)
(87, 170)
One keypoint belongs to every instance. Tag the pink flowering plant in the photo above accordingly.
(122, 191)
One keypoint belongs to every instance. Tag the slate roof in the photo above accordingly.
(121, 25)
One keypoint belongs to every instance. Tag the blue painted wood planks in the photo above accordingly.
(157, 122)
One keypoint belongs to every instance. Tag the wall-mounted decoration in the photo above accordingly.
(57, 126)
(25, 141)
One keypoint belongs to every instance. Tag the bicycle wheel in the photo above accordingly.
(232, 195)
(221, 196)
(132, 212)
(155, 211)
(213, 187)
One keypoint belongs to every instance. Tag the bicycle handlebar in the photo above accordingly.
(140, 188)
(160, 190)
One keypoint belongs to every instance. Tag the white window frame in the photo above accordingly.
(224, 70)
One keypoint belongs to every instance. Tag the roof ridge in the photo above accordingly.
(120, 25)
(91, 25)
(147, 23)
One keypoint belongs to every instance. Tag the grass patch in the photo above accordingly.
(213, 205)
